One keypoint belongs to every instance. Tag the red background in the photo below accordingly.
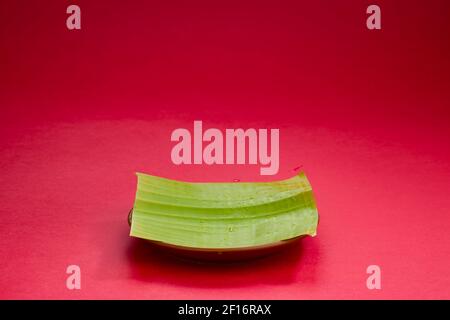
(365, 113)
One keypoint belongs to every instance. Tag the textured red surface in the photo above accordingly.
(364, 113)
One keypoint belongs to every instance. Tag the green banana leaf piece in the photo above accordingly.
(223, 215)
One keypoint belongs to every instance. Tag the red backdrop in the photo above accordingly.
(365, 113)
